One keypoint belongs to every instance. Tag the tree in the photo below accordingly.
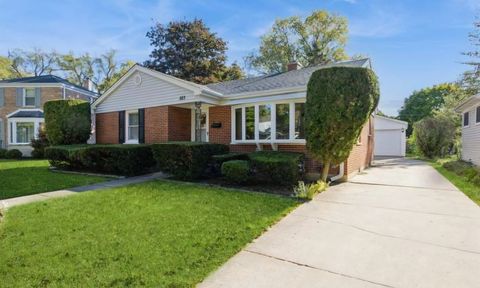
(433, 136)
(35, 62)
(6, 70)
(113, 77)
(188, 50)
(424, 102)
(318, 39)
(77, 68)
(471, 78)
(339, 102)
(67, 122)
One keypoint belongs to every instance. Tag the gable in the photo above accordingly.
(383, 123)
(141, 90)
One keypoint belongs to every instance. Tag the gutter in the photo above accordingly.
(340, 174)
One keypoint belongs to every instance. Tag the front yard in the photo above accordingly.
(155, 234)
(26, 177)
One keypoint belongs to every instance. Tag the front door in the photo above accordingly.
(203, 125)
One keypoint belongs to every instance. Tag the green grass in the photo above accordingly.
(26, 177)
(155, 234)
(471, 190)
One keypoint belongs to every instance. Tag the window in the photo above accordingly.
(132, 126)
(25, 132)
(466, 119)
(478, 114)
(29, 97)
(264, 121)
(269, 122)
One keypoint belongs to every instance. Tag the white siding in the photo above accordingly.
(390, 137)
(150, 93)
(471, 139)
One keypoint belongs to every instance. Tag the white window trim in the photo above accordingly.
(463, 119)
(127, 115)
(476, 116)
(273, 139)
(12, 128)
(24, 97)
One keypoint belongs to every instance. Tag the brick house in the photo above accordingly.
(21, 107)
(258, 113)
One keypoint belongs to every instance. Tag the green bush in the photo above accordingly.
(2, 153)
(308, 191)
(434, 136)
(128, 160)
(283, 168)
(13, 154)
(67, 122)
(236, 171)
(218, 160)
(187, 160)
(458, 167)
(39, 145)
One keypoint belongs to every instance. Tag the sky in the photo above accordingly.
(412, 44)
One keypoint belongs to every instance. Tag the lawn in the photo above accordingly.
(155, 234)
(26, 177)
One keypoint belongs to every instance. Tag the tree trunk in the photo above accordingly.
(325, 169)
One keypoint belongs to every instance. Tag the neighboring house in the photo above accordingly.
(21, 107)
(259, 113)
(470, 110)
(390, 137)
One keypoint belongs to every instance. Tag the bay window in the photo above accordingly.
(22, 130)
(281, 122)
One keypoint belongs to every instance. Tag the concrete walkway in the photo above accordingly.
(7, 203)
(399, 224)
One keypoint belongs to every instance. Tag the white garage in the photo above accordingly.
(390, 137)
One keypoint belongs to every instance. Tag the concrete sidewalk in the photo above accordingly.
(399, 224)
(7, 203)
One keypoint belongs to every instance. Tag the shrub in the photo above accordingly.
(236, 171)
(39, 144)
(13, 154)
(284, 168)
(458, 167)
(433, 136)
(186, 160)
(308, 191)
(67, 121)
(218, 160)
(128, 160)
(2, 153)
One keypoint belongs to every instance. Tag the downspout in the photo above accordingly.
(340, 173)
(64, 93)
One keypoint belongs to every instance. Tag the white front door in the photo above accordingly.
(203, 125)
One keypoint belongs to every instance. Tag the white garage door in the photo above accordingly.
(388, 143)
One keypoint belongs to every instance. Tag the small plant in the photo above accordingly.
(39, 144)
(308, 191)
(236, 171)
(13, 154)
(2, 153)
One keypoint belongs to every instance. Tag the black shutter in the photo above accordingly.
(121, 127)
(141, 126)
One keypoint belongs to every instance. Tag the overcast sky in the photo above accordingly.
(412, 44)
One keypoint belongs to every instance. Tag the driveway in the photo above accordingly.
(398, 224)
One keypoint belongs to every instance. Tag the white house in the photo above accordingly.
(390, 137)
(470, 110)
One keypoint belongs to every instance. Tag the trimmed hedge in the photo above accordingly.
(236, 171)
(218, 160)
(13, 154)
(186, 160)
(270, 167)
(67, 122)
(2, 153)
(128, 160)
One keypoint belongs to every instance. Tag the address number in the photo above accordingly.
(182, 97)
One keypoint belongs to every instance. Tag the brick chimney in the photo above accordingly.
(88, 84)
(294, 65)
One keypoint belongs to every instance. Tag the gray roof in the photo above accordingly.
(294, 78)
(27, 114)
(45, 79)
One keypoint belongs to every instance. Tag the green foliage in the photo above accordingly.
(13, 154)
(6, 70)
(464, 169)
(128, 160)
(67, 121)
(236, 171)
(3, 152)
(186, 160)
(188, 50)
(39, 144)
(218, 160)
(423, 103)
(308, 191)
(280, 168)
(318, 39)
(470, 80)
(340, 100)
(434, 136)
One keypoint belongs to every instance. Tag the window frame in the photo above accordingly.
(273, 117)
(467, 113)
(24, 98)
(477, 115)
(127, 125)
(12, 129)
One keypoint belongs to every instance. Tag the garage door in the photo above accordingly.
(388, 143)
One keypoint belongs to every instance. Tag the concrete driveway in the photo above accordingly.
(398, 224)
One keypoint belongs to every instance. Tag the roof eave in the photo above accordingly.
(466, 103)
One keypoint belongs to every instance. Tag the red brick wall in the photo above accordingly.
(156, 124)
(179, 124)
(361, 155)
(106, 128)
(220, 114)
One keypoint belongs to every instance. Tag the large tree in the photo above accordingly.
(470, 80)
(424, 102)
(34, 62)
(318, 39)
(6, 70)
(188, 50)
(339, 102)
